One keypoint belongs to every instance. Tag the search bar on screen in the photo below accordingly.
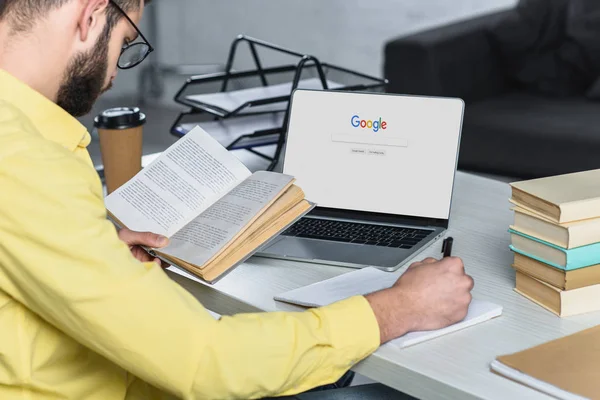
(377, 140)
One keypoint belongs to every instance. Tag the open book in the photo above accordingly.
(215, 212)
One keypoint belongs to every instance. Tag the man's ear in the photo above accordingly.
(93, 14)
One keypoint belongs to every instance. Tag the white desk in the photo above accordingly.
(454, 366)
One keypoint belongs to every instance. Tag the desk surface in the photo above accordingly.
(455, 366)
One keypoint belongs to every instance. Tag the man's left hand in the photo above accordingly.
(137, 239)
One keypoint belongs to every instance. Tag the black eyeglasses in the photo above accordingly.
(132, 54)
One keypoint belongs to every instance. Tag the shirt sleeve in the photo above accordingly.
(62, 259)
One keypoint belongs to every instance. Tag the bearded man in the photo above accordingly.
(83, 313)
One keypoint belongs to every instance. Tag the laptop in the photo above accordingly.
(381, 170)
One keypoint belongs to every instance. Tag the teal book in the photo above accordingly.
(555, 256)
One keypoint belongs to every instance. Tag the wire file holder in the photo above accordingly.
(259, 96)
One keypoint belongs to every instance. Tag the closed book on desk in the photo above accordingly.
(559, 278)
(569, 235)
(563, 303)
(566, 368)
(215, 212)
(563, 198)
(553, 255)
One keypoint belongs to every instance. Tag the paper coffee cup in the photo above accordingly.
(120, 131)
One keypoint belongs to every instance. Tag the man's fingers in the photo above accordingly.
(471, 283)
(141, 254)
(148, 239)
(414, 265)
(455, 265)
(429, 260)
(153, 240)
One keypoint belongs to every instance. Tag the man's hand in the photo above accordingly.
(430, 295)
(136, 239)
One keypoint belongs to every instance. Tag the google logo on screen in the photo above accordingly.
(368, 124)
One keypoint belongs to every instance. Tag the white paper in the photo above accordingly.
(185, 180)
(479, 311)
(233, 99)
(356, 283)
(214, 315)
(206, 235)
(225, 131)
(369, 280)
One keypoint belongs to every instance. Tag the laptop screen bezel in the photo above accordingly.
(393, 219)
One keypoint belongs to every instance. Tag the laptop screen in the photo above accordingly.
(375, 153)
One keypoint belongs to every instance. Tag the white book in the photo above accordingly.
(369, 280)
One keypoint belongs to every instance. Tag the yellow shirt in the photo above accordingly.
(80, 318)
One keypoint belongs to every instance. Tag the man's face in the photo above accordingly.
(91, 72)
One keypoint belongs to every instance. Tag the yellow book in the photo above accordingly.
(563, 303)
(563, 198)
(569, 235)
(214, 211)
(561, 279)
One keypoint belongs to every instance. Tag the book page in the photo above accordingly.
(206, 235)
(184, 181)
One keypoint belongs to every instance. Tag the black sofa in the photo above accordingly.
(507, 131)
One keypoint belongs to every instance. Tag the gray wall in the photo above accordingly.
(350, 33)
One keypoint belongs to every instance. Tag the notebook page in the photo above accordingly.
(360, 282)
(479, 311)
(369, 280)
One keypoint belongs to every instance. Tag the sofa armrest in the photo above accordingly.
(455, 60)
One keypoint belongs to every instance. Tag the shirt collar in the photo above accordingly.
(50, 120)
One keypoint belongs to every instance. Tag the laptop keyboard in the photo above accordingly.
(357, 233)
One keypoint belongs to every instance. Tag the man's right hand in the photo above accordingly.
(430, 295)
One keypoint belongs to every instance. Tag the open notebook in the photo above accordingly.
(369, 280)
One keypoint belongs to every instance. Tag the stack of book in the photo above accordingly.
(556, 241)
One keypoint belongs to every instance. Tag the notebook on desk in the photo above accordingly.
(369, 280)
(566, 368)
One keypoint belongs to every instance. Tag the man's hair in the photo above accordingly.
(23, 13)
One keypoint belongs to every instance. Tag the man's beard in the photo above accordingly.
(84, 79)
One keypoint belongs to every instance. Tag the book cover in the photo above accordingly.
(576, 258)
(562, 198)
(566, 368)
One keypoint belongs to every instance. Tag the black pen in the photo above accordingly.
(447, 247)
